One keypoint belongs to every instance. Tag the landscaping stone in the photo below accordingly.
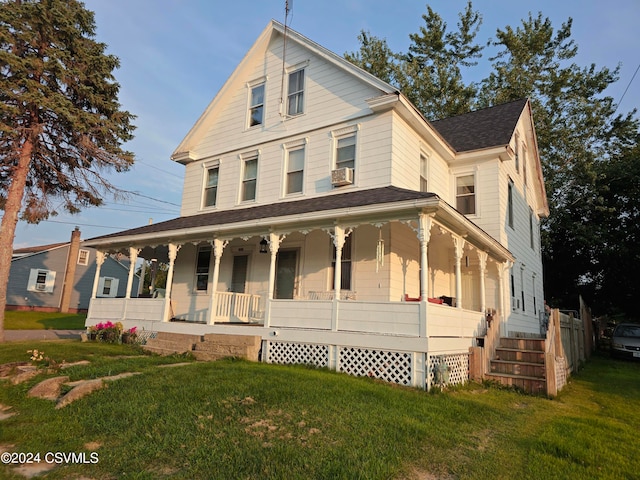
(48, 389)
(5, 412)
(79, 391)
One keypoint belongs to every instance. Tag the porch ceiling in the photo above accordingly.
(351, 208)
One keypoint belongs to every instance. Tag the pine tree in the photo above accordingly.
(61, 125)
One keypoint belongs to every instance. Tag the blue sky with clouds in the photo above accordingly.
(176, 54)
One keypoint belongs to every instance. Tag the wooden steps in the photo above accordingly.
(208, 347)
(519, 363)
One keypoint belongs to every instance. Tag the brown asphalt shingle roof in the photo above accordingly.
(489, 127)
(352, 199)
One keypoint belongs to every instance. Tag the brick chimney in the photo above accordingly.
(70, 273)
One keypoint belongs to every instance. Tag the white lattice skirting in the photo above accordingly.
(457, 366)
(390, 366)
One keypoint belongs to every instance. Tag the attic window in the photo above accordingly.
(295, 93)
(256, 105)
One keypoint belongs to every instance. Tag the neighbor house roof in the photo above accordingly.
(38, 248)
(485, 128)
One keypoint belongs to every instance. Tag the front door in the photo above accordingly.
(286, 265)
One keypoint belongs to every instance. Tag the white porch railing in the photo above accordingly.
(387, 318)
(114, 309)
(238, 307)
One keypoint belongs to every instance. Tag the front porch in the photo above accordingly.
(356, 284)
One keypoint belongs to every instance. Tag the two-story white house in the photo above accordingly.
(323, 212)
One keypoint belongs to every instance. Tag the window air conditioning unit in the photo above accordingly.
(515, 303)
(41, 287)
(341, 176)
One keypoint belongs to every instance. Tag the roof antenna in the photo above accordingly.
(288, 6)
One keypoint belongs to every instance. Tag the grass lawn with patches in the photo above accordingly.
(236, 419)
(32, 320)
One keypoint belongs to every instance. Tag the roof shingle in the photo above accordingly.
(489, 127)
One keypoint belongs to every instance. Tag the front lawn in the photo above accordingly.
(32, 320)
(236, 419)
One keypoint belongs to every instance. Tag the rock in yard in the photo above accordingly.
(48, 389)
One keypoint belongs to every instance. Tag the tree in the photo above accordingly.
(433, 66)
(579, 138)
(61, 124)
(430, 73)
(589, 153)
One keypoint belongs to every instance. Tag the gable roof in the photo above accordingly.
(485, 128)
(38, 248)
(181, 153)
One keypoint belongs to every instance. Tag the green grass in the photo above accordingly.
(235, 419)
(31, 320)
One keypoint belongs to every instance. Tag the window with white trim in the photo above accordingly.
(346, 152)
(83, 257)
(295, 170)
(41, 280)
(249, 178)
(295, 93)
(466, 194)
(424, 164)
(256, 105)
(510, 203)
(211, 186)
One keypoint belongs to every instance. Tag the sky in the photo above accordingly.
(176, 54)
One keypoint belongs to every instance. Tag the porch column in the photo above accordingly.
(458, 244)
(424, 234)
(173, 253)
(218, 247)
(274, 246)
(482, 257)
(100, 256)
(133, 258)
(338, 242)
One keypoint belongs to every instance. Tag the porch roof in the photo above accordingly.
(376, 204)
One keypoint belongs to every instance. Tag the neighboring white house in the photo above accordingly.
(304, 163)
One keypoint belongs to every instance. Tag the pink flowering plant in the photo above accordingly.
(107, 331)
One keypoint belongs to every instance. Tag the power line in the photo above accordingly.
(87, 224)
(626, 89)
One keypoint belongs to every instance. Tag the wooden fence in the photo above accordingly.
(569, 343)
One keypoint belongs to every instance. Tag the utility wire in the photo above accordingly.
(626, 89)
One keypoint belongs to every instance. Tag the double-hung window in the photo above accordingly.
(295, 170)
(256, 105)
(83, 257)
(424, 185)
(211, 186)
(510, 203)
(295, 93)
(249, 178)
(346, 152)
(466, 194)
